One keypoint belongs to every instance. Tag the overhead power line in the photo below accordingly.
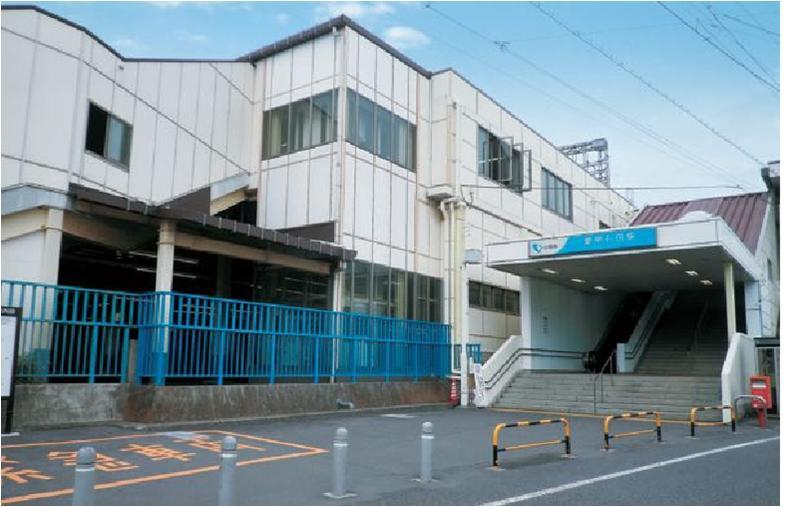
(741, 46)
(614, 112)
(719, 48)
(751, 25)
(650, 138)
(650, 85)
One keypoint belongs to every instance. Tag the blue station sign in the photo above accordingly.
(599, 241)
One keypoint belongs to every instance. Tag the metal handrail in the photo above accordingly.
(697, 330)
(610, 364)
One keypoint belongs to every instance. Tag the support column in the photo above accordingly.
(526, 319)
(753, 309)
(165, 259)
(731, 309)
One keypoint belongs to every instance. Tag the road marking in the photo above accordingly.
(623, 473)
(305, 451)
(398, 416)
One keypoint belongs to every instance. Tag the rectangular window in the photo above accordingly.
(401, 135)
(299, 126)
(383, 133)
(557, 195)
(108, 136)
(377, 130)
(379, 290)
(275, 139)
(499, 161)
(493, 299)
(323, 120)
(366, 124)
(352, 120)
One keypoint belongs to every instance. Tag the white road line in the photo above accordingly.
(623, 473)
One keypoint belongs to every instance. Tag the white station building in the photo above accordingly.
(330, 135)
(328, 170)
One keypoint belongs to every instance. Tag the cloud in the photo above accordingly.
(355, 10)
(166, 4)
(282, 18)
(197, 38)
(127, 44)
(405, 37)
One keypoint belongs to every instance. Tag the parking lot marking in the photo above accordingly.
(623, 473)
(305, 451)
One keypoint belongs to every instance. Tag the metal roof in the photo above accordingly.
(743, 213)
(233, 229)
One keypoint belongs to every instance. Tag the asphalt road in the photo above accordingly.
(287, 462)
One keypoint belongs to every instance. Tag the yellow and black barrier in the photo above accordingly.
(694, 423)
(565, 440)
(629, 415)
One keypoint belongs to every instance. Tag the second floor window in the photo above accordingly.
(300, 125)
(499, 160)
(375, 129)
(108, 136)
(557, 195)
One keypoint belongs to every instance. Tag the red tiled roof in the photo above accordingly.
(743, 213)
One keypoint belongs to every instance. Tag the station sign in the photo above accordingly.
(599, 241)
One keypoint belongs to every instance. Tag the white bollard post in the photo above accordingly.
(340, 465)
(227, 471)
(426, 464)
(84, 477)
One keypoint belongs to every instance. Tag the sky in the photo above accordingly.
(717, 73)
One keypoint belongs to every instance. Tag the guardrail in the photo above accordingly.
(629, 415)
(83, 335)
(694, 423)
(497, 430)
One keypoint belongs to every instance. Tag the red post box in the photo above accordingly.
(761, 386)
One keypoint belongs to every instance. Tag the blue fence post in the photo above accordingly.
(94, 341)
(272, 376)
(220, 367)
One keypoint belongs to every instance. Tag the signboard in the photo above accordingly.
(9, 341)
(599, 241)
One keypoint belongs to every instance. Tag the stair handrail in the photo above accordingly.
(697, 330)
(610, 364)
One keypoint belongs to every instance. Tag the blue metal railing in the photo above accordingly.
(72, 332)
(473, 350)
(75, 332)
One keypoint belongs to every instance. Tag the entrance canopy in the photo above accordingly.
(683, 255)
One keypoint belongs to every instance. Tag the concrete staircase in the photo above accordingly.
(572, 392)
(672, 349)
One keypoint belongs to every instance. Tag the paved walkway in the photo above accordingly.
(288, 462)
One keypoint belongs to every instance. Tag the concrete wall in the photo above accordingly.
(41, 405)
(199, 403)
(566, 319)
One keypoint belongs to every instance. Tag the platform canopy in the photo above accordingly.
(682, 255)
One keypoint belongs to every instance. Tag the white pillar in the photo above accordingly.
(526, 319)
(165, 257)
(731, 308)
(753, 309)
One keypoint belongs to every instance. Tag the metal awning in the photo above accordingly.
(220, 228)
(670, 256)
